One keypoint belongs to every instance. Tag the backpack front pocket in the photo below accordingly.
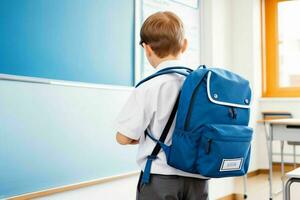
(224, 150)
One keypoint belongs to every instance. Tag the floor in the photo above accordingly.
(258, 188)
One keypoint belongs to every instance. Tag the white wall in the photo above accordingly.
(216, 38)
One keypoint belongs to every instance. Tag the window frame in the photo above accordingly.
(270, 71)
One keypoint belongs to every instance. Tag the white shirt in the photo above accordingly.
(149, 107)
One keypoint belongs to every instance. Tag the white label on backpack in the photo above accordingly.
(231, 164)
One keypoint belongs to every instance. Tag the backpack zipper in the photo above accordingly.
(209, 141)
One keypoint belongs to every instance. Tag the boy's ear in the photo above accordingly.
(184, 46)
(148, 49)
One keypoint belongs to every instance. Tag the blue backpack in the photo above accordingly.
(211, 135)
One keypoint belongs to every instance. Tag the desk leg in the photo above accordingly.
(270, 152)
(245, 186)
(282, 168)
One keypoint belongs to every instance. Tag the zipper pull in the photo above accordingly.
(232, 113)
(208, 146)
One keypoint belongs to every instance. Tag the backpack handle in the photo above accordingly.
(202, 66)
(168, 70)
(176, 67)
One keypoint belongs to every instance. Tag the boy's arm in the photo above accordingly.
(134, 118)
(122, 139)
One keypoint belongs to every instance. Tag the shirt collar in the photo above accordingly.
(169, 63)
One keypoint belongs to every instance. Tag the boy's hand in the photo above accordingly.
(122, 139)
(134, 142)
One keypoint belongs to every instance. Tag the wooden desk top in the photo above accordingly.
(275, 112)
(267, 119)
(289, 121)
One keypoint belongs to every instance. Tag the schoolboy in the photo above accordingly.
(149, 107)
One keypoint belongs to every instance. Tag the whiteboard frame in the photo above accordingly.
(137, 48)
(29, 79)
(71, 187)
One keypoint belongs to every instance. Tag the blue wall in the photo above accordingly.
(52, 136)
(76, 40)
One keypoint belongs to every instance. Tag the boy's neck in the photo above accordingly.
(160, 60)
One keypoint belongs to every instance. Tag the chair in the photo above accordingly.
(293, 176)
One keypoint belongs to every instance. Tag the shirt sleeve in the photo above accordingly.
(144, 104)
(135, 116)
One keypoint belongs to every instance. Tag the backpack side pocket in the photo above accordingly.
(184, 150)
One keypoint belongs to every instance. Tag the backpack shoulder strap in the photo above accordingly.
(160, 143)
(188, 89)
(169, 70)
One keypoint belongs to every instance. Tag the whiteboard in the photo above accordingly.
(52, 136)
(89, 41)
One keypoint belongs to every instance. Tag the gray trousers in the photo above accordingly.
(172, 187)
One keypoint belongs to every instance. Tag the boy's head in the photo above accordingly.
(162, 36)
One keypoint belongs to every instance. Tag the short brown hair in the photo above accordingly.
(164, 32)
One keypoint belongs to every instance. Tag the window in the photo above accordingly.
(281, 74)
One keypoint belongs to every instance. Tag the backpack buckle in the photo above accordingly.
(150, 157)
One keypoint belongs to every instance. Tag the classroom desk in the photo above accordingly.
(282, 130)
